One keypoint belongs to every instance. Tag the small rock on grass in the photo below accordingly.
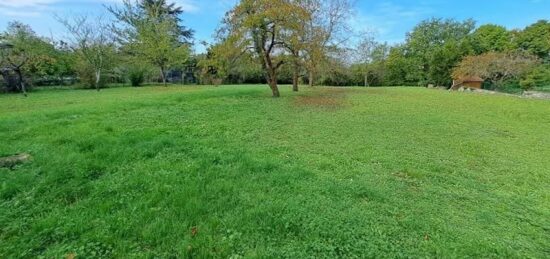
(11, 161)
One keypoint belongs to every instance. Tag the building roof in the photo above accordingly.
(471, 79)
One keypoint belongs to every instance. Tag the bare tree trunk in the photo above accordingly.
(274, 88)
(295, 78)
(366, 79)
(272, 81)
(97, 79)
(296, 70)
(163, 75)
(21, 83)
(311, 75)
(23, 88)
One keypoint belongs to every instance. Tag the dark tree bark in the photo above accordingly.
(295, 79)
(21, 82)
(311, 78)
(264, 45)
(163, 75)
(272, 81)
(12, 84)
(274, 88)
(295, 76)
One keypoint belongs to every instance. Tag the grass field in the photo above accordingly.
(231, 172)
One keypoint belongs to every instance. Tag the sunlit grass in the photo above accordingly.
(230, 171)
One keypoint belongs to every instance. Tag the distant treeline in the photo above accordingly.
(147, 42)
(435, 52)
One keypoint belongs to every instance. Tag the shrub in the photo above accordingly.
(527, 84)
(539, 77)
(86, 76)
(136, 75)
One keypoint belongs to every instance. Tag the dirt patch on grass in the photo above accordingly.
(536, 95)
(331, 98)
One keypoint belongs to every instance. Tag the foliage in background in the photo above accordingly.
(93, 43)
(496, 67)
(491, 38)
(313, 44)
(535, 39)
(26, 55)
(136, 74)
(151, 30)
(538, 78)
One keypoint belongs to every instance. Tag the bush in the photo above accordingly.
(86, 76)
(136, 75)
(512, 86)
(539, 77)
(527, 84)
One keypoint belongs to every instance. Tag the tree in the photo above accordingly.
(444, 58)
(535, 39)
(327, 28)
(92, 41)
(371, 56)
(491, 37)
(402, 68)
(161, 9)
(159, 47)
(262, 26)
(222, 59)
(23, 52)
(365, 51)
(495, 66)
(296, 44)
(152, 30)
(539, 77)
(435, 46)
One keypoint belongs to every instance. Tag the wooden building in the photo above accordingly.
(473, 82)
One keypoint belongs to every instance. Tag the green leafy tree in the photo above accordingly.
(152, 30)
(535, 39)
(371, 56)
(261, 27)
(491, 37)
(26, 54)
(156, 45)
(444, 58)
(539, 77)
(401, 68)
(162, 10)
(434, 47)
(222, 60)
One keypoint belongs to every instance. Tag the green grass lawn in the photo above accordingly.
(231, 172)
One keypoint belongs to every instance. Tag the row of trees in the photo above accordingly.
(436, 48)
(435, 52)
(145, 35)
(273, 41)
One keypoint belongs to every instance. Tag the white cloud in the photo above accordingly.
(26, 3)
(26, 8)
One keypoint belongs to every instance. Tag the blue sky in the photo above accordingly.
(390, 19)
